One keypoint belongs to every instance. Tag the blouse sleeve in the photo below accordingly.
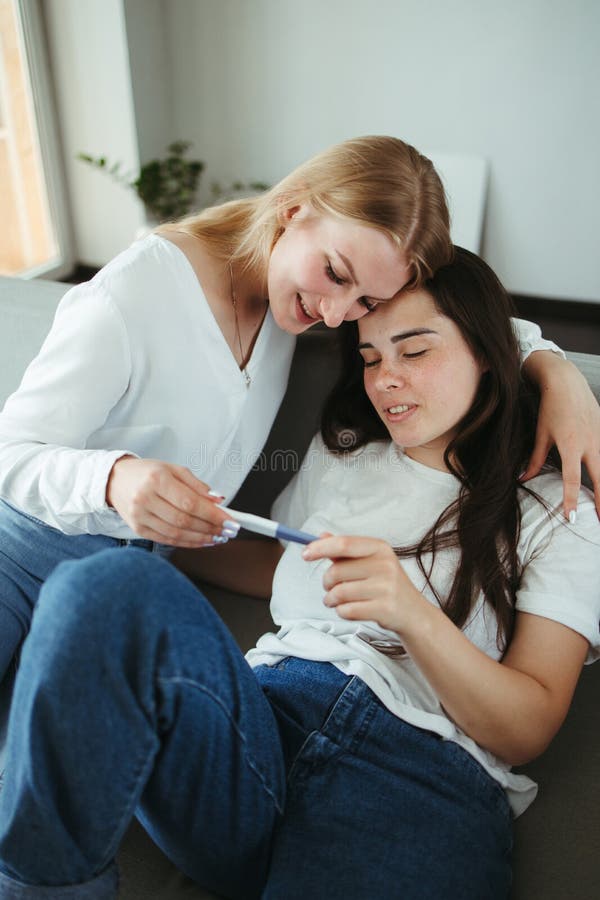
(530, 338)
(66, 394)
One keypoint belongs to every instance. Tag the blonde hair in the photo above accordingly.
(378, 181)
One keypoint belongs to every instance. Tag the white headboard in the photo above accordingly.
(465, 180)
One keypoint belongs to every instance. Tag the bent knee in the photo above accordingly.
(103, 586)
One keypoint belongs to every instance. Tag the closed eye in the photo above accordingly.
(333, 275)
(369, 305)
(337, 279)
(374, 362)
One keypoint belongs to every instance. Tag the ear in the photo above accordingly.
(288, 209)
(288, 213)
(483, 364)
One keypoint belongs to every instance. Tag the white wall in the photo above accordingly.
(150, 73)
(259, 85)
(90, 66)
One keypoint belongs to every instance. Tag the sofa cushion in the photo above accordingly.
(26, 312)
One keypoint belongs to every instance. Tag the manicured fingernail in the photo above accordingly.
(230, 528)
(216, 494)
(220, 539)
(520, 476)
(572, 517)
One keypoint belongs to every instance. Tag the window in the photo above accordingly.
(34, 234)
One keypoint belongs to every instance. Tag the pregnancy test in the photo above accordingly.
(267, 526)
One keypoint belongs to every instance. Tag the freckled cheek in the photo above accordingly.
(457, 393)
(370, 388)
(470, 378)
(434, 386)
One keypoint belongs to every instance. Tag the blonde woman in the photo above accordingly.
(159, 381)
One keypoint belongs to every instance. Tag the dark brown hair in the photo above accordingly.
(487, 454)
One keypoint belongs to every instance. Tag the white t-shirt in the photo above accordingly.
(135, 363)
(380, 492)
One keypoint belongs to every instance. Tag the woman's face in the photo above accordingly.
(420, 374)
(327, 269)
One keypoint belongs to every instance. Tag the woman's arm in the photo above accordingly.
(512, 708)
(570, 419)
(67, 392)
(47, 468)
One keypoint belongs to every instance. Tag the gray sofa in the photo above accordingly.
(557, 841)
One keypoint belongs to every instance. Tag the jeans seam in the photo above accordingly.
(16, 887)
(223, 708)
(338, 700)
(369, 714)
(321, 731)
(113, 845)
(29, 574)
(31, 518)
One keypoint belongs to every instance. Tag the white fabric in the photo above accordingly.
(135, 363)
(380, 492)
(529, 337)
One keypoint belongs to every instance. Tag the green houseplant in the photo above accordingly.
(167, 187)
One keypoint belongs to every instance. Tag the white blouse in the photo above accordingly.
(135, 363)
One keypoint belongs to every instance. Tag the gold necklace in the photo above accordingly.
(243, 367)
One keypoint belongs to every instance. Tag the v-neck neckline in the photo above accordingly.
(266, 324)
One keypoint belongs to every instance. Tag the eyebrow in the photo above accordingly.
(402, 336)
(347, 263)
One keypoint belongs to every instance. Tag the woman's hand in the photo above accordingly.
(165, 503)
(512, 708)
(570, 418)
(366, 581)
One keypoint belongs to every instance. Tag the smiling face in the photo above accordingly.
(330, 269)
(420, 374)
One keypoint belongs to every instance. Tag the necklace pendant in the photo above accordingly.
(247, 377)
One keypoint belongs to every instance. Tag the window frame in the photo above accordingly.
(33, 36)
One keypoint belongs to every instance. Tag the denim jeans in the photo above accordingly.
(29, 551)
(291, 781)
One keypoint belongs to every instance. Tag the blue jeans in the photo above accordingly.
(291, 781)
(29, 551)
